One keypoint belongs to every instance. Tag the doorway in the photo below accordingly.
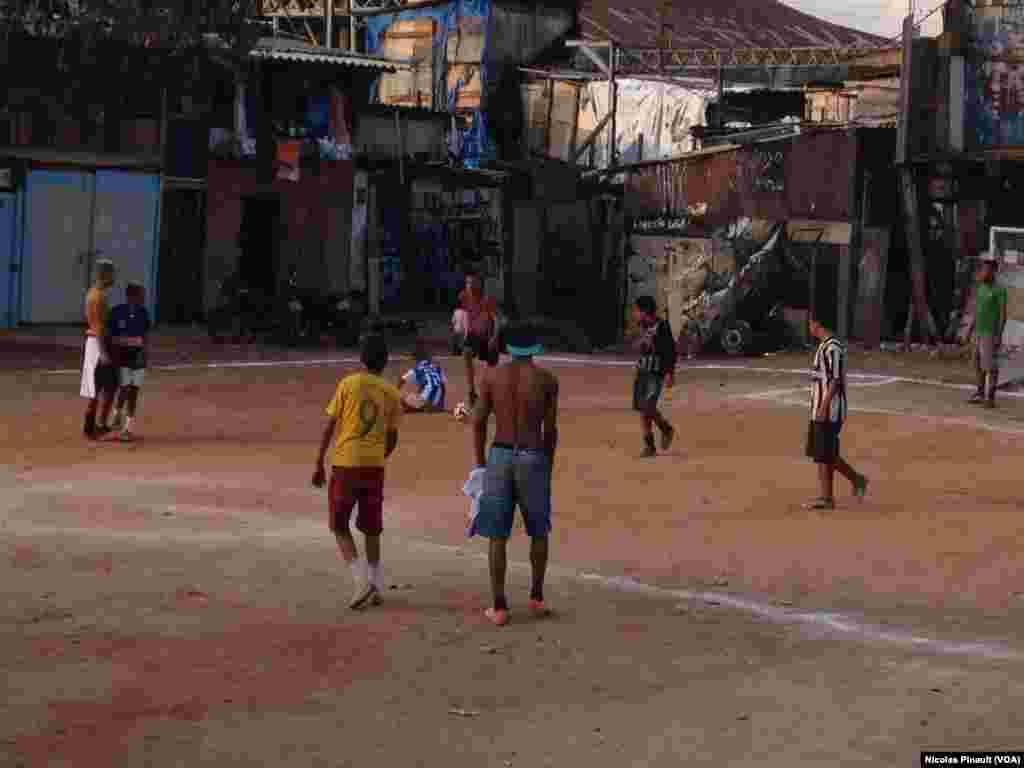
(258, 239)
(182, 246)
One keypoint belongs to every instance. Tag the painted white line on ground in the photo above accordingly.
(866, 376)
(947, 420)
(831, 621)
(309, 533)
(572, 361)
(774, 393)
(314, 535)
(233, 364)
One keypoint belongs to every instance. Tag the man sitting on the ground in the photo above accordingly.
(430, 380)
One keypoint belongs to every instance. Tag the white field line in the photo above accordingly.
(306, 533)
(560, 360)
(774, 393)
(946, 420)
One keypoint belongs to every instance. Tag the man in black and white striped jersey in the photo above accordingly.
(828, 415)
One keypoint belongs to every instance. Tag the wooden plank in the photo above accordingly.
(413, 39)
(466, 43)
(468, 95)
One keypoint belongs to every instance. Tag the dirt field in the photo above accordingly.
(179, 601)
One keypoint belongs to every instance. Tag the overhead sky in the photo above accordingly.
(879, 17)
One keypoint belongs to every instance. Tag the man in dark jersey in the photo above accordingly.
(656, 367)
(129, 332)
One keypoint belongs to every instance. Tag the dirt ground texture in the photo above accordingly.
(180, 601)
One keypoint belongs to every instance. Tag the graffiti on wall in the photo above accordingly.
(769, 165)
(994, 92)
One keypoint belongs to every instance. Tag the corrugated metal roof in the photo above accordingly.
(289, 50)
(725, 24)
(79, 158)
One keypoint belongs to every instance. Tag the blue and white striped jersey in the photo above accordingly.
(431, 380)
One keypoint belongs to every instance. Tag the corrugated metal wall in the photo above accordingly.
(805, 177)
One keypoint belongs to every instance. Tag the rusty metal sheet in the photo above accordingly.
(819, 172)
(698, 190)
(806, 177)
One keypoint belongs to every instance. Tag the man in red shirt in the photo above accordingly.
(482, 329)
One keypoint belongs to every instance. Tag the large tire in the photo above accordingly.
(737, 338)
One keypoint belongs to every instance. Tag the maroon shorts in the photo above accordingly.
(357, 485)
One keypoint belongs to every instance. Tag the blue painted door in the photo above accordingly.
(57, 263)
(126, 229)
(8, 260)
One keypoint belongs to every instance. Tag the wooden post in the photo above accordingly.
(848, 256)
(918, 280)
(814, 287)
(721, 98)
(909, 195)
(353, 42)
(575, 126)
(266, 149)
(163, 129)
(328, 23)
(613, 105)
(399, 149)
(547, 118)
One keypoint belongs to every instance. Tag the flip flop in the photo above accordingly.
(820, 504)
(498, 618)
(538, 608)
(860, 488)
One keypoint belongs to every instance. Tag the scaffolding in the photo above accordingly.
(661, 61)
(699, 68)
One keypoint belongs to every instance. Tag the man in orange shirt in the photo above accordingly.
(99, 374)
(482, 329)
(364, 416)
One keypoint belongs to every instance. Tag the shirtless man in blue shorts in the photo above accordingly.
(524, 401)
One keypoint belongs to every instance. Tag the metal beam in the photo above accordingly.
(652, 60)
(598, 62)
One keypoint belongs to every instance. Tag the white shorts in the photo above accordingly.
(133, 377)
(89, 363)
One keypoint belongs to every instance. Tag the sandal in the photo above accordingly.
(860, 488)
(820, 503)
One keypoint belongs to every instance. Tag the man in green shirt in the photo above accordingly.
(989, 322)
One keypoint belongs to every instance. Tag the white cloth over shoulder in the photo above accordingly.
(474, 488)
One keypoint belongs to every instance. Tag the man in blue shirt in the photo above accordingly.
(129, 332)
(430, 380)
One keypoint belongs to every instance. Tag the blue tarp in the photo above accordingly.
(317, 120)
(476, 144)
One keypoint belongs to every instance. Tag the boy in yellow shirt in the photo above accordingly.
(364, 416)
